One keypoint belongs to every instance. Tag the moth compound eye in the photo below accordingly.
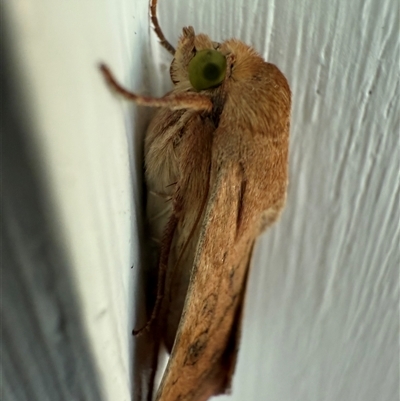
(207, 69)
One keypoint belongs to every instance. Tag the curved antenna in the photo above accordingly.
(157, 29)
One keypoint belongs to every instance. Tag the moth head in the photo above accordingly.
(198, 63)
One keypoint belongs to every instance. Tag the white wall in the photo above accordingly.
(321, 319)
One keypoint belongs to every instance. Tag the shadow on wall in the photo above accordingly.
(45, 353)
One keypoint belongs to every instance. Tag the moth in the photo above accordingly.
(216, 171)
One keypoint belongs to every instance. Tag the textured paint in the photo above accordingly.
(321, 320)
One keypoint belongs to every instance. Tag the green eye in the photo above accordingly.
(207, 69)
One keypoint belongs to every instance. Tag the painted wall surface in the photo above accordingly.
(322, 312)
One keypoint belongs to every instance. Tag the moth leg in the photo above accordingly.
(162, 269)
(157, 29)
(173, 101)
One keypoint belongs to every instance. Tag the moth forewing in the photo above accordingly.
(216, 168)
(205, 346)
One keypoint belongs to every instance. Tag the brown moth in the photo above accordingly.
(216, 169)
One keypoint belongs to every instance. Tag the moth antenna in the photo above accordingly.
(157, 29)
(168, 235)
(173, 101)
